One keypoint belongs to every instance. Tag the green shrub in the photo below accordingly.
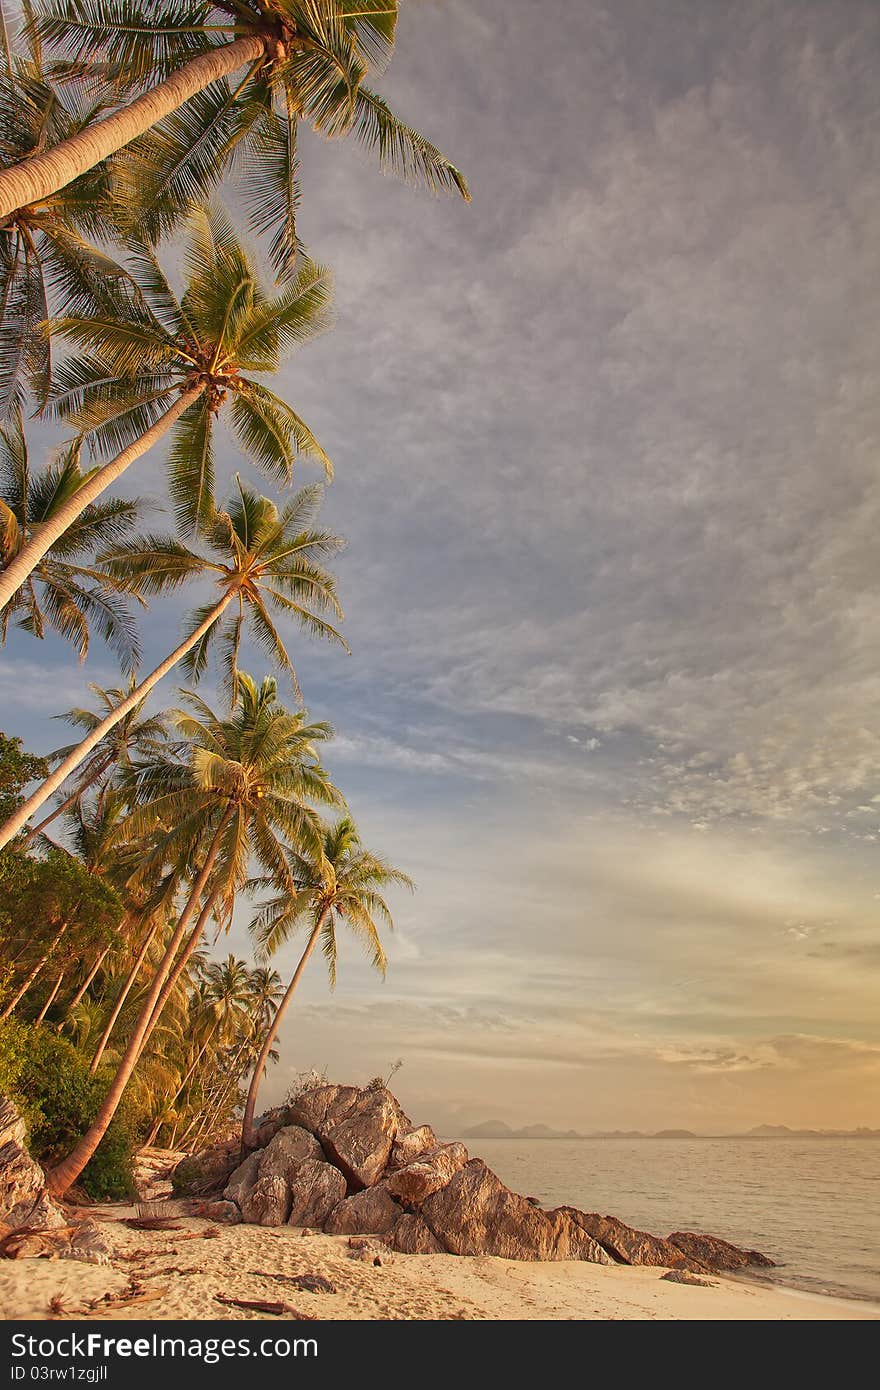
(49, 1081)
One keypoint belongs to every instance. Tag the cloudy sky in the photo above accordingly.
(607, 449)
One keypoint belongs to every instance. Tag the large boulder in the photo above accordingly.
(268, 1202)
(627, 1245)
(412, 1237)
(269, 1125)
(432, 1170)
(205, 1174)
(356, 1128)
(287, 1151)
(475, 1214)
(24, 1200)
(322, 1106)
(243, 1178)
(316, 1188)
(409, 1146)
(370, 1212)
(572, 1242)
(713, 1253)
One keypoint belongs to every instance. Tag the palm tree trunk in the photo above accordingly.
(45, 535)
(181, 964)
(151, 1137)
(58, 1179)
(247, 1129)
(123, 995)
(201, 1124)
(43, 174)
(68, 801)
(99, 960)
(200, 1054)
(20, 817)
(50, 1001)
(34, 973)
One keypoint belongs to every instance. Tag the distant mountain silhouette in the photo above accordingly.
(499, 1129)
(783, 1132)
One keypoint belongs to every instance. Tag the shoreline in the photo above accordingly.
(179, 1273)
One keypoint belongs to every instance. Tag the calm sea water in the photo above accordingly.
(812, 1205)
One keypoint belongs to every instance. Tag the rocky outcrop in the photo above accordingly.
(410, 1146)
(571, 1242)
(412, 1237)
(356, 1129)
(287, 1151)
(205, 1174)
(627, 1245)
(432, 1170)
(371, 1212)
(348, 1161)
(316, 1190)
(268, 1202)
(32, 1224)
(715, 1254)
(243, 1178)
(475, 1214)
(24, 1200)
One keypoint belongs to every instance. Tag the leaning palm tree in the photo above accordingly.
(342, 885)
(133, 734)
(49, 263)
(298, 60)
(64, 592)
(169, 361)
(260, 560)
(239, 788)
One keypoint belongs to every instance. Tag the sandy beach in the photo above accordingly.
(179, 1273)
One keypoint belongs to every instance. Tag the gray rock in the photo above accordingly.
(206, 1173)
(242, 1180)
(370, 1212)
(267, 1203)
(429, 1172)
(287, 1151)
(475, 1214)
(570, 1242)
(714, 1253)
(323, 1106)
(316, 1188)
(410, 1146)
(627, 1245)
(411, 1236)
(360, 1142)
(24, 1200)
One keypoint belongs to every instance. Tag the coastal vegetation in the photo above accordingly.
(122, 852)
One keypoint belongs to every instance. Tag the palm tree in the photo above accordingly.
(342, 885)
(63, 592)
(260, 559)
(301, 60)
(167, 360)
(48, 262)
(133, 733)
(219, 1011)
(239, 788)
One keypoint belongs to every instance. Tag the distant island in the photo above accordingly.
(499, 1129)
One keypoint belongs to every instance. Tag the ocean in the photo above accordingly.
(813, 1205)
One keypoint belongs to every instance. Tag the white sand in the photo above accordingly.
(181, 1276)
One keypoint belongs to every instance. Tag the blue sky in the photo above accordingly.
(606, 445)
